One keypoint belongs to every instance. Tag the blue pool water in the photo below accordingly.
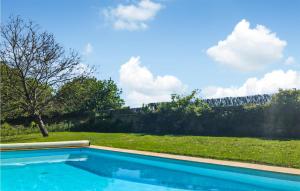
(88, 169)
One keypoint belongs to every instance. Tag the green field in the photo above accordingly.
(273, 152)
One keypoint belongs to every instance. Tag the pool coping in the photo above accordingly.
(269, 168)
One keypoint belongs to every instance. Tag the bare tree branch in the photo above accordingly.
(36, 65)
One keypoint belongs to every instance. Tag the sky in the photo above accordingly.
(154, 48)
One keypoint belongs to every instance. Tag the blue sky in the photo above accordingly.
(153, 48)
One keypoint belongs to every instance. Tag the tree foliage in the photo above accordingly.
(86, 94)
(9, 107)
(189, 104)
(284, 114)
(179, 116)
(278, 118)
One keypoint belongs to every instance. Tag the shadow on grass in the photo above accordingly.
(279, 139)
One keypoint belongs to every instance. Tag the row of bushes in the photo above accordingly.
(189, 115)
(256, 121)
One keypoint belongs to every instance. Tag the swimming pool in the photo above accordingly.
(87, 169)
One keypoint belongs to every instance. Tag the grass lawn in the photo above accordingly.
(254, 150)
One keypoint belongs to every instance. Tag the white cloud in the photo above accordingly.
(88, 49)
(269, 83)
(248, 49)
(289, 61)
(141, 86)
(133, 16)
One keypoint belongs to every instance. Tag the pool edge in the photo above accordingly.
(277, 169)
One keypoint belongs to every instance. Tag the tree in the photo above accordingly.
(36, 65)
(189, 104)
(179, 116)
(9, 107)
(283, 114)
(85, 94)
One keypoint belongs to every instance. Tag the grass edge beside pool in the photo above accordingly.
(251, 150)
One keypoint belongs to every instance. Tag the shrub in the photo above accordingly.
(33, 125)
(283, 114)
(5, 125)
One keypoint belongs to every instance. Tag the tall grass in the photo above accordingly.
(7, 130)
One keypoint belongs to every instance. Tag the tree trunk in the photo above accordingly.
(41, 125)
